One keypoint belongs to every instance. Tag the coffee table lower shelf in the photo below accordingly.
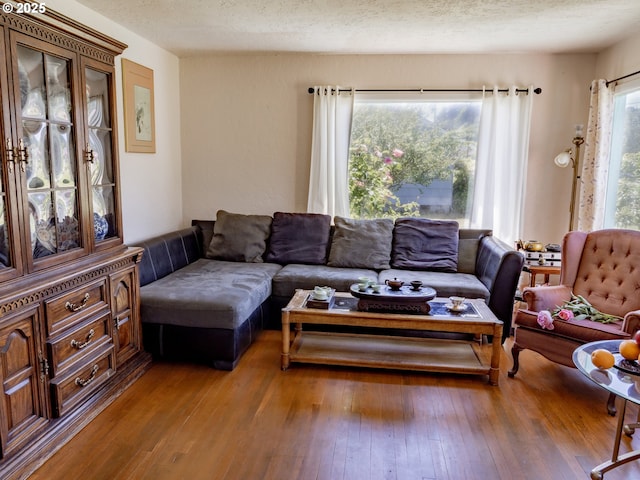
(391, 352)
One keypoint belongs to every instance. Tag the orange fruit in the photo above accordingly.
(629, 349)
(602, 358)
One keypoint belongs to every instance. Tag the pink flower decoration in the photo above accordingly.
(387, 160)
(545, 320)
(397, 152)
(565, 314)
(378, 153)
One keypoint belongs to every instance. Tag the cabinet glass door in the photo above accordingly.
(100, 156)
(46, 152)
(5, 246)
(10, 259)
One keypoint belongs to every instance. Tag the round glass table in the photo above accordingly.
(623, 380)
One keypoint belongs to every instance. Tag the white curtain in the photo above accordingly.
(328, 179)
(500, 179)
(594, 174)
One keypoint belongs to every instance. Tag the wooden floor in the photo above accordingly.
(312, 422)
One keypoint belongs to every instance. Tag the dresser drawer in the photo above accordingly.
(71, 388)
(81, 341)
(75, 305)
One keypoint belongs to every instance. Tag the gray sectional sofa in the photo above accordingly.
(208, 290)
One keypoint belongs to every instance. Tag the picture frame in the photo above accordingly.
(139, 115)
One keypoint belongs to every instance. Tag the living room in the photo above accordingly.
(233, 132)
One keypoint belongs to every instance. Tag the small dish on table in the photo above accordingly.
(456, 308)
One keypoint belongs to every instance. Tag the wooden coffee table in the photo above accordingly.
(386, 351)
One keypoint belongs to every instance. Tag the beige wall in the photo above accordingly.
(619, 60)
(151, 183)
(246, 122)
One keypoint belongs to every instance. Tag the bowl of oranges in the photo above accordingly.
(627, 358)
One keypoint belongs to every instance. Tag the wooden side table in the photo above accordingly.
(545, 270)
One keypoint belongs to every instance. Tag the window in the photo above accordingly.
(413, 157)
(622, 207)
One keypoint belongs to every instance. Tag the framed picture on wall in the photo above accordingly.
(139, 122)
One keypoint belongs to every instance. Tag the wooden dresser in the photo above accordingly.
(70, 335)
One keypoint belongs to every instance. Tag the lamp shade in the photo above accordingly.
(563, 159)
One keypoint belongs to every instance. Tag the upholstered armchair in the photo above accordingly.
(604, 268)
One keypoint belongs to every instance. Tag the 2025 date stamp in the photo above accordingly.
(19, 8)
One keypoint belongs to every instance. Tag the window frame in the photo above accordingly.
(615, 152)
(417, 97)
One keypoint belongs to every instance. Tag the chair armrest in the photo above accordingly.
(631, 322)
(498, 267)
(546, 297)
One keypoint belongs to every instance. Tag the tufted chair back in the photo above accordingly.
(604, 267)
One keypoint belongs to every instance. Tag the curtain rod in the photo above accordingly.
(622, 77)
(447, 90)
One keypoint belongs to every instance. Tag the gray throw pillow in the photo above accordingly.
(468, 244)
(361, 243)
(299, 238)
(424, 244)
(239, 238)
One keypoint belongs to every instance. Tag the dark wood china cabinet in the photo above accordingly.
(70, 338)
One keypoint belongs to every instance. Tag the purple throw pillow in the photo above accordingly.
(299, 238)
(424, 244)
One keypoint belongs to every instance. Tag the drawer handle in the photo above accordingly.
(80, 345)
(83, 383)
(73, 307)
(44, 367)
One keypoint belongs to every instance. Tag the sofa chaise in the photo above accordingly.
(208, 290)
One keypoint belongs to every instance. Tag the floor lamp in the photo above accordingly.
(563, 160)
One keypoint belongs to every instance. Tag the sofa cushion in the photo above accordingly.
(425, 244)
(299, 238)
(444, 283)
(239, 238)
(208, 294)
(294, 276)
(361, 243)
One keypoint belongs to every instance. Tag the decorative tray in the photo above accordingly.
(402, 300)
(627, 366)
(405, 294)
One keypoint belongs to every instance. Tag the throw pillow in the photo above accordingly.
(361, 243)
(468, 244)
(239, 238)
(299, 238)
(424, 244)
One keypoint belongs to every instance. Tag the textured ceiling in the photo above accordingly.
(191, 27)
